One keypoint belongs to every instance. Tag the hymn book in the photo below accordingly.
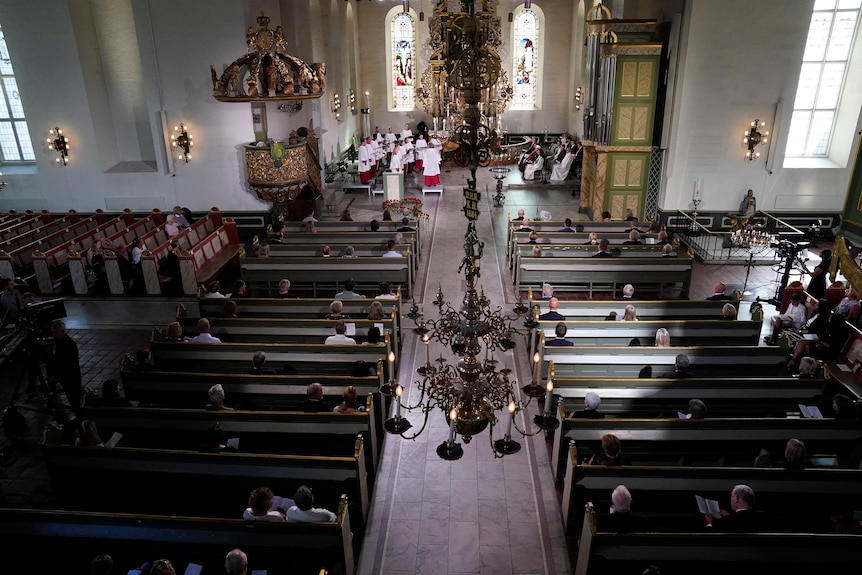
(810, 411)
(708, 506)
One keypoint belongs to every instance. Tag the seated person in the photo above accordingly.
(174, 332)
(373, 336)
(728, 311)
(592, 401)
(258, 364)
(560, 339)
(314, 400)
(216, 395)
(260, 506)
(630, 313)
(826, 346)
(793, 318)
(552, 313)
(304, 511)
(349, 285)
(680, 368)
(843, 407)
(386, 292)
(348, 402)
(214, 290)
(621, 519)
(375, 311)
(696, 409)
(111, 395)
(634, 238)
(628, 293)
(742, 518)
(142, 361)
(88, 435)
(719, 292)
(567, 227)
(795, 456)
(284, 289)
(610, 452)
(339, 338)
(662, 337)
(603, 249)
(335, 310)
(668, 251)
(592, 239)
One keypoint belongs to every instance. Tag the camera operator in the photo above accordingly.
(817, 286)
(11, 303)
(61, 365)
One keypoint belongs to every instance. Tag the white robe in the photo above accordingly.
(390, 142)
(432, 162)
(561, 169)
(531, 169)
(407, 152)
(421, 146)
(396, 162)
(406, 134)
(364, 157)
(377, 150)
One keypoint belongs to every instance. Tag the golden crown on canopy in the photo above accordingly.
(266, 71)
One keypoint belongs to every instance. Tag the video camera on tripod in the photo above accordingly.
(787, 248)
(37, 318)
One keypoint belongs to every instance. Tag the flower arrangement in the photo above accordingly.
(411, 207)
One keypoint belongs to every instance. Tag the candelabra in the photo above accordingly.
(60, 144)
(184, 141)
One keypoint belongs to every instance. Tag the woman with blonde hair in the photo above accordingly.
(662, 337)
(375, 311)
(630, 314)
(592, 240)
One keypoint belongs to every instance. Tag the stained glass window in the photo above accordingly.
(525, 60)
(821, 78)
(403, 54)
(15, 144)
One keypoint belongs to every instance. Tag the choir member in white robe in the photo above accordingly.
(408, 154)
(406, 132)
(390, 142)
(560, 170)
(365, 161)
(396, 162)
(421, 146)
(431, 168)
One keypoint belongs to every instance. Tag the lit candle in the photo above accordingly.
(426, 340)
(453, 415)
(391, 365)
(511, 419)
(549, 397)
(398, 391)
(536, 359)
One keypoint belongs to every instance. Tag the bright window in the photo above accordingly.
(525, 60)
(15, 145)
(822, 77)
(403, 55)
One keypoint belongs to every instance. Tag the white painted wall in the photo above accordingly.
(738, 59)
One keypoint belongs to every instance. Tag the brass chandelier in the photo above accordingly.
(469, 391)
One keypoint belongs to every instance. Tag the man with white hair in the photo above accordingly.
(547, 291)
(520, 216)
(592, 401)
(236, 563)
(742, 518)
(525, 225)
(628, 292)
(620, 519)
(216, 395)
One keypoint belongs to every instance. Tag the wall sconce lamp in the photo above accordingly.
(184, 141)
(579, 96)
(60, 144)
(2, 181)
(351, 98)
(753, 138)
(336, 106)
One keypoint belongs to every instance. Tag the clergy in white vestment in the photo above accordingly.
(365, 161)
(421, 146)
(532, 168)
(560, 170)
(431, 168)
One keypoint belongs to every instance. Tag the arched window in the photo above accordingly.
(15, 144)
(526, 59)
(402, 54)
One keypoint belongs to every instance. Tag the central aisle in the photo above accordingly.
(478, 514)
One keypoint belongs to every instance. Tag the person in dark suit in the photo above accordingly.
(552, 314)
(621, 519)
(603, 249)
(634, 239)
(680, 368)
(525, 226)
(520, 216)
(742, 518)
(628, 293)
(258, 364)
(314, 402)
(63, 367)
(592, 401)
(560, 339)
(719, 292)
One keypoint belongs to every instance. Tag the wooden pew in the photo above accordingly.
(326, 275)
(208, 257)
(258, 431)
(598, 361)
(652, 275)
(795, 499)
(11, 259)
(199, 483)
(20, 225)
(19, 256)
(265, 330)
(647, 309)
(236, 357)
(125, 237)
(712, 332)
(315, 250)
(548, 226)
(52, 542)
(736, 440)
(389, 227)
(714, 553)
(350, 238)
(580, 239)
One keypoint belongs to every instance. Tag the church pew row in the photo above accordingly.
(579, 240)
(646, 309)
(197, 483)
(51, 542)
(264, 330)
(794, 500)
(125, 237)
(329, 238)
(389, 227)
(188, 390)
(273, 432)
(299, 308)
(681, 553)
(695, 332)
(10, 256)
(54, 264)
(559, 248)
(315, 250)
(649, 275)
(326, 275)
(316, 358)
(607, 361)
(732, 440)
(11, 227)
(547, 226)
